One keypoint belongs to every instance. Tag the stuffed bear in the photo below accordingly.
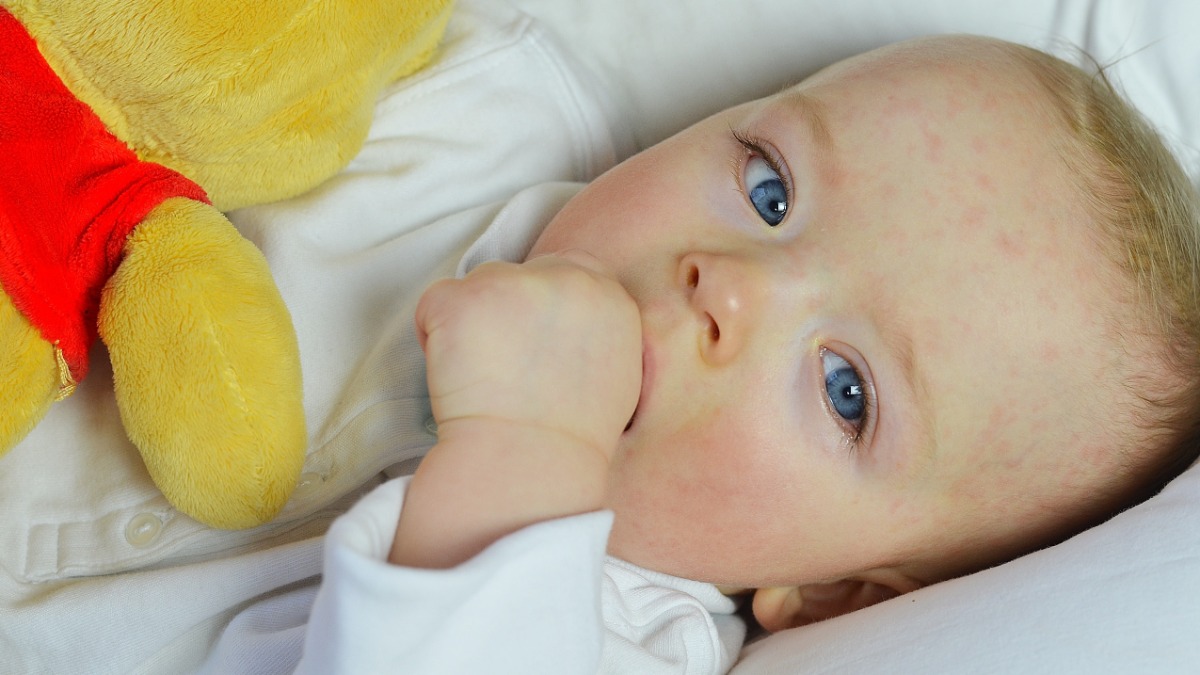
(127, 128)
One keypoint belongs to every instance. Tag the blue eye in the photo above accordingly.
(766, 190)
(845, 389)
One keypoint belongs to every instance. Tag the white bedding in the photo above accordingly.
(1122, 597)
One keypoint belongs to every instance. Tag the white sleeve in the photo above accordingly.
(529, 603)
(657, 624)
(544, 599)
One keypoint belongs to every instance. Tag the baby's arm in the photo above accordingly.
(534, 371)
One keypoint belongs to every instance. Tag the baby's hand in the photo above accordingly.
(534, 371)
(553, 344)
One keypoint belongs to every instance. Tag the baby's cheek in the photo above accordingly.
(722, 461)
(734, 471)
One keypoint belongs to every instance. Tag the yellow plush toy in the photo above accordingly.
(126, 128)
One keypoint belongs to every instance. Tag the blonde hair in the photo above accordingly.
(1149, 211)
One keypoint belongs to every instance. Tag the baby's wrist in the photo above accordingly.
(488, 478)
(507, 436)
(544, 471)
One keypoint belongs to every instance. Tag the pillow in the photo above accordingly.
(668, 64)
(1119, 597)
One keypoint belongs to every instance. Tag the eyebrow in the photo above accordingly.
(813, 113)
(924, 446)
(814, 118)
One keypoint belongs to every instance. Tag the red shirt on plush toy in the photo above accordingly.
(80, 192)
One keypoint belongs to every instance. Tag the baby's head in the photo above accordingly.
(928, 310)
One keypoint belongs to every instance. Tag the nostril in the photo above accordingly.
(693, 276)
(714, 331)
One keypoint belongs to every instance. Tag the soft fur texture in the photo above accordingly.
(191, 320)
(253, 102)
(29, 360)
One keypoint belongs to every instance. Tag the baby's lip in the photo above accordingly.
(647, 378)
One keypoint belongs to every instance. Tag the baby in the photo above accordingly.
(930, 309)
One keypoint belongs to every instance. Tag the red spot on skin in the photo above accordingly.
(973, 217)
(985, 183)
(1012, 246)
(979, 145)
(1050, 353)
(995, 432)
(965, 328)
(933, 144)
(1048, 299)
(954, 108)
(1094, 455)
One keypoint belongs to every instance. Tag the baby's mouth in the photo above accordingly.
(637, 406)
(647, 373)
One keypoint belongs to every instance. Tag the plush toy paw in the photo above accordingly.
(30, 372)
(205, 366)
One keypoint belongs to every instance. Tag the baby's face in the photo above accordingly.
(879, 333)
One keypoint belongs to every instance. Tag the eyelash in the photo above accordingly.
(854, 437)
(755, 145)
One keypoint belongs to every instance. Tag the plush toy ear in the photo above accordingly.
(786, 607)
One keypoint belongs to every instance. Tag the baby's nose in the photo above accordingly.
(726, 293)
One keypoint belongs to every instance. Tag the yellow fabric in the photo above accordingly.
(29, 373)
(255, 101)
(205, 366)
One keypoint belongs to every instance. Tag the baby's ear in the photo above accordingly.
(786, 607)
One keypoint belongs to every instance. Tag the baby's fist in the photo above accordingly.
(553, 345)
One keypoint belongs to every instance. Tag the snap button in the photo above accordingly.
(309, 480)
(143, 529)
(431, 426)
